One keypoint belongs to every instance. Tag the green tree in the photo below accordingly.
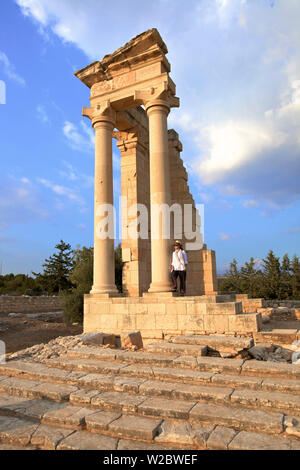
(285, 273)
(295, 277)
(251, 279)
(82, 280)
(57, 269)
(272, 276)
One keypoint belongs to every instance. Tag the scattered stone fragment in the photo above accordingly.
(130, 339)
(99, 339)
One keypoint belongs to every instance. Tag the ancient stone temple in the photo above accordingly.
(131, 97)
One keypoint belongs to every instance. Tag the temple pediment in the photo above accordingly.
(146, 48)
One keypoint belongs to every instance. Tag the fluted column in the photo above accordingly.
(104, 260)
(157, 111)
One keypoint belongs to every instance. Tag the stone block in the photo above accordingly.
(99, 339)
(216, 323)
(132, 339)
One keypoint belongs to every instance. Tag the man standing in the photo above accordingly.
(178, 267)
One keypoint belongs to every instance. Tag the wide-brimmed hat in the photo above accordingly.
(177, 243)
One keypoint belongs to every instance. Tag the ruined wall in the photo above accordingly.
(135, 185)
(201, 271)
(26, 304)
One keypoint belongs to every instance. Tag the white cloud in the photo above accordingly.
(225, 236)
(237, 68)
(82, 140)
(20, 202)
(42, 114)
(73, 174)
(251, 203)
(9, 69)
(293, 230)
(60, 190)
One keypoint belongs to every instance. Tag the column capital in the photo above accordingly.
(101, 113)
(159, 96)
(132, 138)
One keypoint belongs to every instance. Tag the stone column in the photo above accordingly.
(157, 111)
(104, 261)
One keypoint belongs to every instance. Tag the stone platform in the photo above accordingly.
(93, 398)
(158, 315)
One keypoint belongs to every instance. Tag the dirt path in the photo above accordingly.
(23, 332)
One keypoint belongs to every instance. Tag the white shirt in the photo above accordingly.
(179, 260)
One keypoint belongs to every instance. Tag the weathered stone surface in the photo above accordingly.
(16, 431)
(184, 434)
(186, 361)
(18, 387)
(281, 385)
(215, 342)
(83, 397)
(220, 438)
(37, 408)
(237, 418)
(127, 384)
(125, 444)
(237, 381)
(179, 349)
(117, 402)
(137, 371)
(292, 427)
(99, 339)
(69, 415)
(157, 388)
(57, 392)
(46, 437)
(81, 440)
(182, 375)
(166, 408)
(202, 392)
(144, 357)
(219, 365)
(253, 441)
(260, 369)
(273, 400)
(92, 353)
(99, 421)
(97, 381)
(135, 426)
(131, 339)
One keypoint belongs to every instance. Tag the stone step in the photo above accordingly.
(193, 350)
(16, 386)
(22, 434)
(113, 386)
(215, 342)
(132, 377)
(79, 373)
(153, 398)
(271, 369)
(161, 358)
(272, 400)
(277, 336)
(18, 433)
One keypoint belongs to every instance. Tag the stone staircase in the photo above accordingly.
(169, 396)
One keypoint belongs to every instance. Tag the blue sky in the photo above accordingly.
(236, 64)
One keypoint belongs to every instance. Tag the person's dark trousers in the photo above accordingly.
(174, 279)
(182, 279)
